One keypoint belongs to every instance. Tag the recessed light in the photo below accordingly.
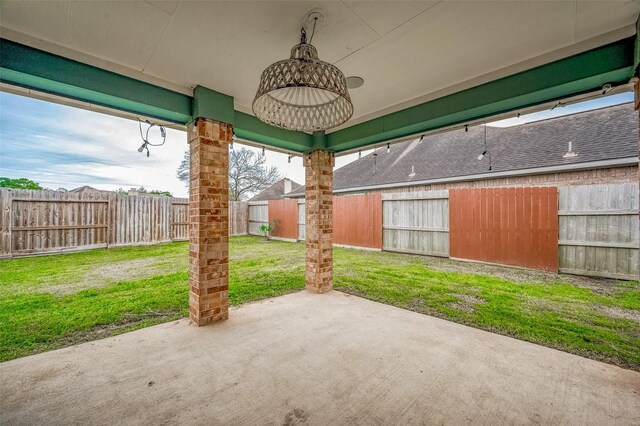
(354, 82)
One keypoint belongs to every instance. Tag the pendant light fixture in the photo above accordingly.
(303, 93)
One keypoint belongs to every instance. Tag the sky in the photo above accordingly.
(60, 146)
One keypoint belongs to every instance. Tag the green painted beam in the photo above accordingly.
(581, 73)
(39, 70)
(25, 66)
(250, 128)
(636, 61)
(319, 139)
(213, 105)
(42, 71)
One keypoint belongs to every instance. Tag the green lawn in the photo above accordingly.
(55, 301)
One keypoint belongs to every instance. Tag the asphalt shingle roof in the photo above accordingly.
(602, 134)
(275, 191)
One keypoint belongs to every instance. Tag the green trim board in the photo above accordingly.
(581, 73)
(28, 67)
(35, 69)
(44, 85)
(636, 58)
(213, 105)
(25, 66)
(250, 128)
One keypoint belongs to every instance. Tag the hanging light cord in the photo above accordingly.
(315, 21)
(486, 150)
(145, 137)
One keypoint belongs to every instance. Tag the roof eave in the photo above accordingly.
(601, 164)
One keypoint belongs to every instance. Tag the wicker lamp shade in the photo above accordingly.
(303, 93)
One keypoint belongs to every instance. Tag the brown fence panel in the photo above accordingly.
(238, 217)
(511, 226)
(38, 222)
(283, 216)
(35, 222)
(357, 220)
(179, 219)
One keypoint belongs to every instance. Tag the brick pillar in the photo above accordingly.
(319, 221)
(209, 221)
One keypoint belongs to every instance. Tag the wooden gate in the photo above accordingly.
(417, 222)
(258, 216)
(511, 226)
(179, 219)
(283, 217)
(357, 220)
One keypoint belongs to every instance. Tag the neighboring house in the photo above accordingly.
(604, 149)
(278, 190)
(86, 189)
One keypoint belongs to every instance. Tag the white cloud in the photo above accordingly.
(71, 147)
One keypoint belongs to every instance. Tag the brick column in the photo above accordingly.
(209, 221)
(319, 221)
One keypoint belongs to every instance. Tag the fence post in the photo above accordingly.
(109, 218)
(6, 203)
(10, 224)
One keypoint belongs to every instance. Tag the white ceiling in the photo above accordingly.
(406, 52)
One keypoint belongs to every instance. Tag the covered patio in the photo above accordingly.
(330, 358)
(316, 359)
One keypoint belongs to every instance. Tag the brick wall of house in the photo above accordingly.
(581, 177)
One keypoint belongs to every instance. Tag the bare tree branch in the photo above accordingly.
(248, 173)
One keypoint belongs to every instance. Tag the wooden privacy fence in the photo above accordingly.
(510, 226)
(39, 222)
(357, 220)
(301, 220)
(416, 222)
(599, 232)
(283, 216)
(238, 218)
(587, 230)
(34, 222)
(258, 216)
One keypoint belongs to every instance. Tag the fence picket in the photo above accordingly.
(599, 232)
(37, 222)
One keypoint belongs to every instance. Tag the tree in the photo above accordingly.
(163, 193)
(20, 183)
(144, 190)
(183, 169)
(248, 173)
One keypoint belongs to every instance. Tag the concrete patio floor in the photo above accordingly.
(315, 359)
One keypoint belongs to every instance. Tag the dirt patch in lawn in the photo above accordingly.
(111, 273)
(524, 276)
(621, 313)
(467, 302)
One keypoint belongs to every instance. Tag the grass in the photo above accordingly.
(55, 301)
(595, 324)
(50, 302)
